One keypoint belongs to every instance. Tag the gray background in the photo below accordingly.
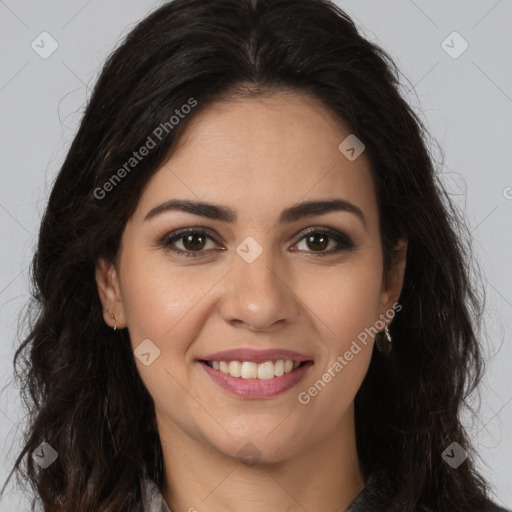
(466, 103)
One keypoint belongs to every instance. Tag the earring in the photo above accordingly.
(115, 322)
(384, 346)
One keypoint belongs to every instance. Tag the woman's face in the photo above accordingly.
(254, 279)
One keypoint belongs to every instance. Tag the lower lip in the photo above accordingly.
(256, 388)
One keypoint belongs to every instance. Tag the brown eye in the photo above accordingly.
(194, 241)
(317, 240)
(190, 243)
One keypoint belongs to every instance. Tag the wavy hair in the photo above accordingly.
(78, 378)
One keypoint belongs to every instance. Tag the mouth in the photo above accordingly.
(250, 370)
(251, 380)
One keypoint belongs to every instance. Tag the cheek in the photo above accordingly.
(158, 295)
(326, 401)
(346, 309)
(162, 303)
(346, 304)
(346, 299)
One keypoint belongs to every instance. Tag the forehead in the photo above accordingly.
(260, 155)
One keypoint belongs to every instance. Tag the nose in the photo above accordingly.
(258, 296)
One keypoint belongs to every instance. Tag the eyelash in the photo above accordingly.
(344, 242)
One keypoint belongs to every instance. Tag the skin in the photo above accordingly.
(257, 156)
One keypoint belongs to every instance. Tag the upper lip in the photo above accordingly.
(255, 355)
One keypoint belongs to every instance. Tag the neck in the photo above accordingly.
(324, 476)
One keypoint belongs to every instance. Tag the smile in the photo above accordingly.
(247, 379)
(251, 370)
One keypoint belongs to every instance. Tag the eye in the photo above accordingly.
(318, 240)
(193, 241)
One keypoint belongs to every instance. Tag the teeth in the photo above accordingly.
(235, 368)
(266, 370)
(250, 370)
(279, 368)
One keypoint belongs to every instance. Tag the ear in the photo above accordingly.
(394, 278)
(110, 294)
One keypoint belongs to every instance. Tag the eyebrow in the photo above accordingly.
(227, 214)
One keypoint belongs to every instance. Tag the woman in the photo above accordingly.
(253, 292)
